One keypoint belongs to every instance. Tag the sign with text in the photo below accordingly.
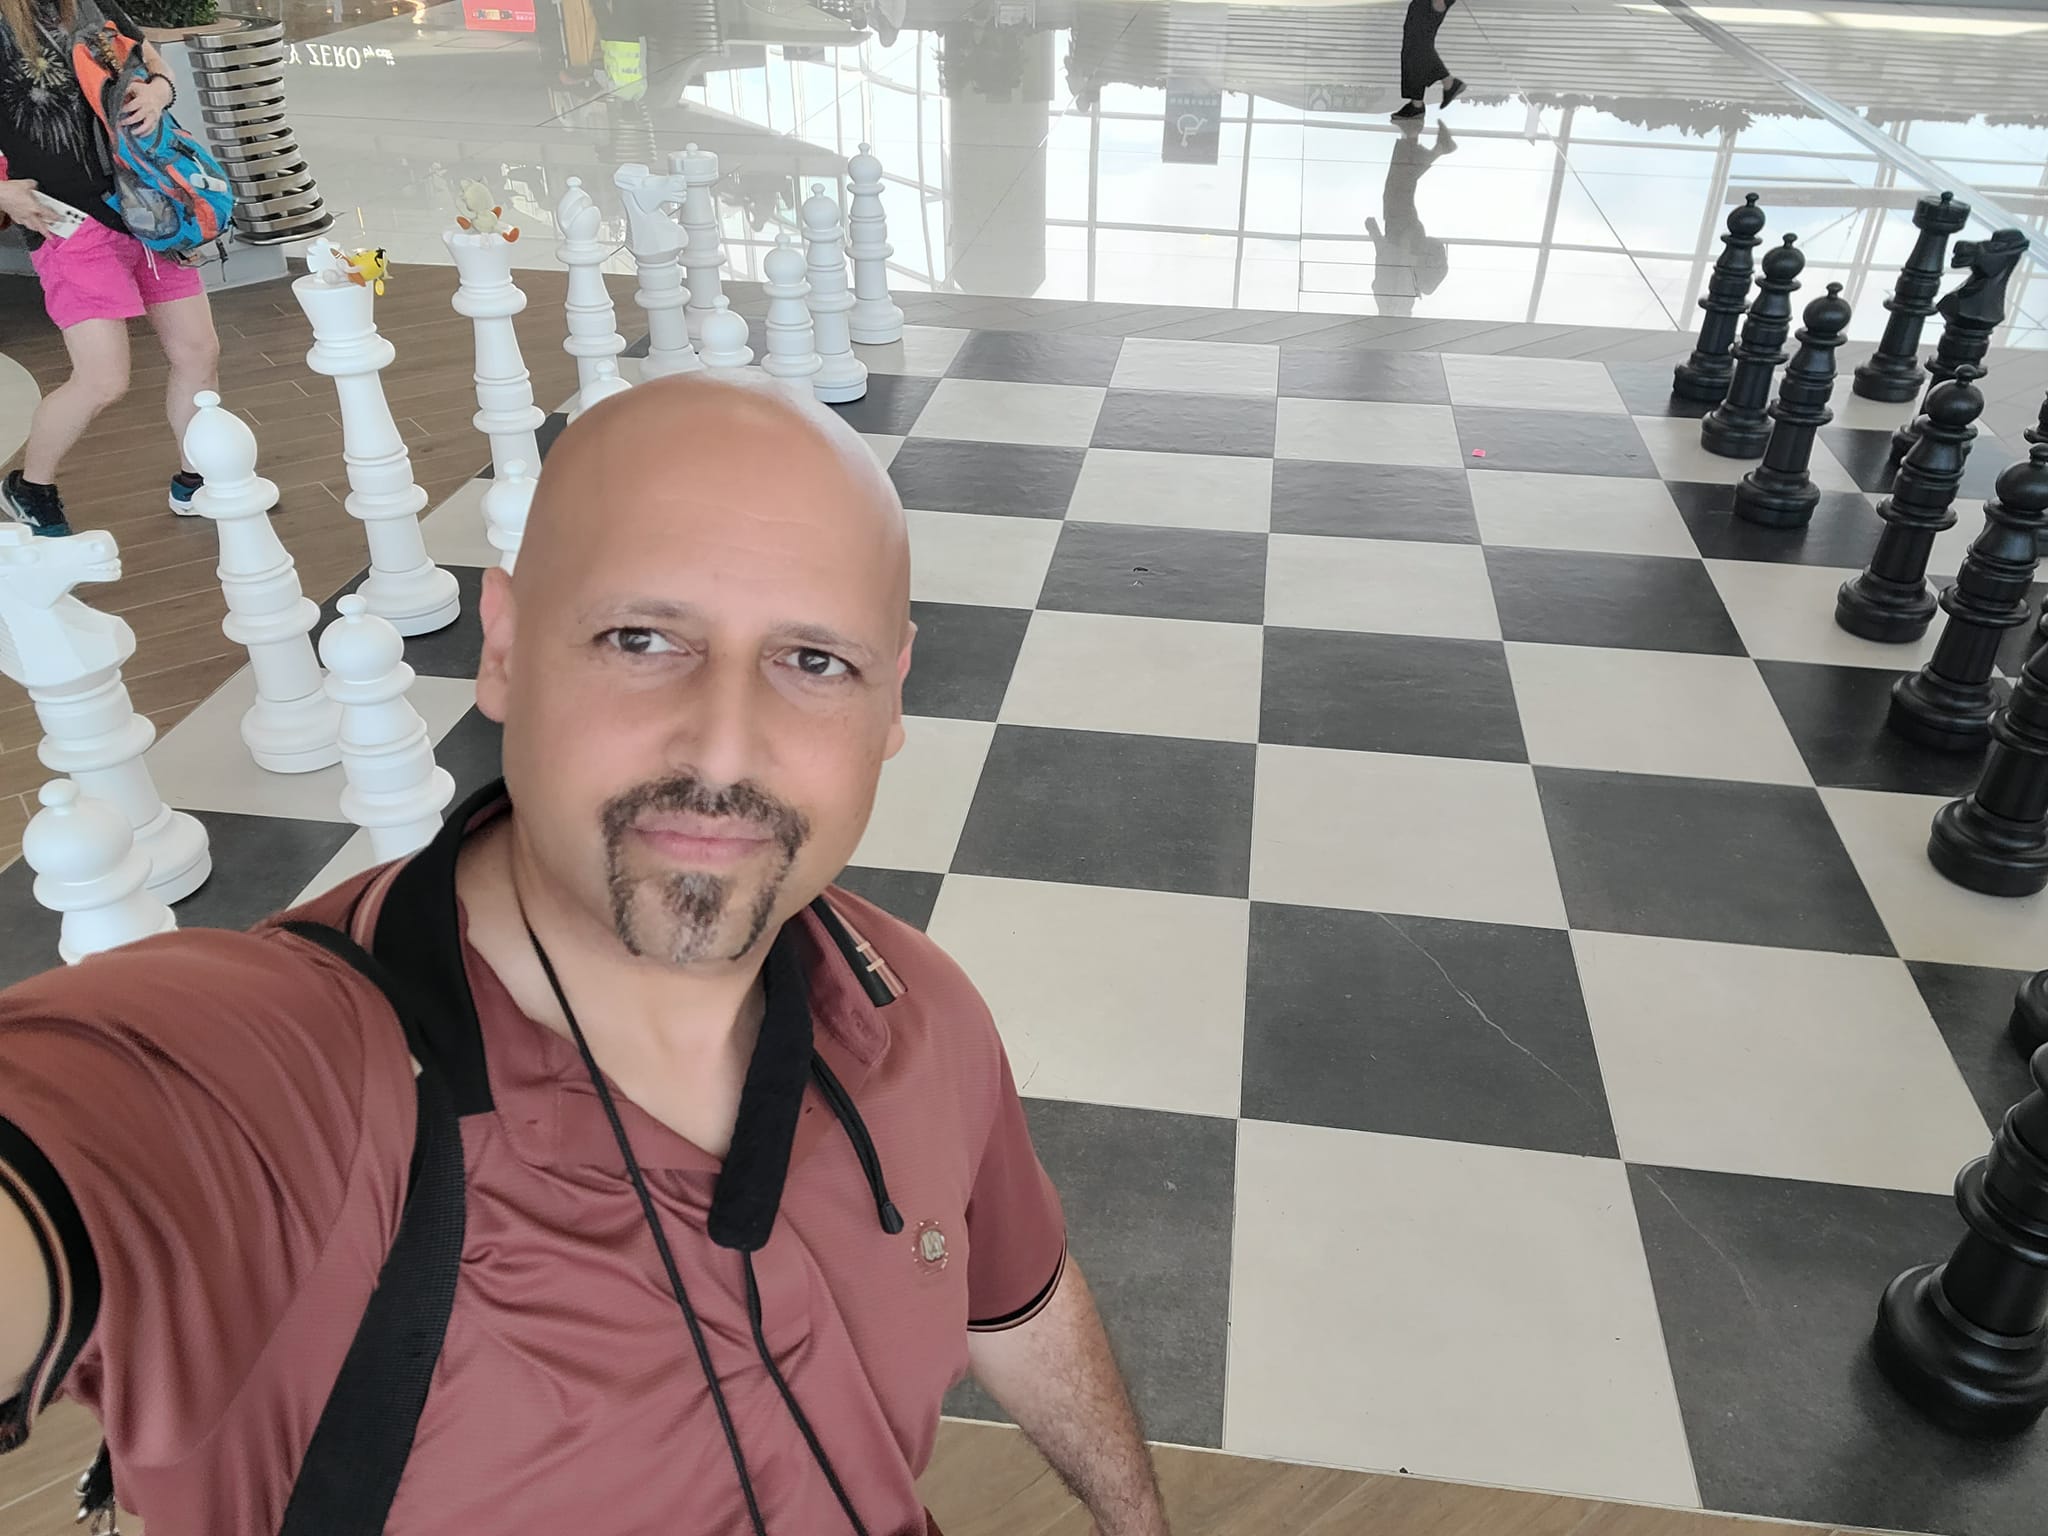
(1193, 126)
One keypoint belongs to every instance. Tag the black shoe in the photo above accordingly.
(1412, 109)
(1453, 89)
(38, 506)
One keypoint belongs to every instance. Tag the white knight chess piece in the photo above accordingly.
(656, 241)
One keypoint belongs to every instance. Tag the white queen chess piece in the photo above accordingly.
(506, 505)
(488, 297)
(841, 376)
(703, 253)
(89, 871)
(594, 336)
(293, 727)
(69, 658)
(395, 792)
(875, 321)
(656, 241)
(792, 358)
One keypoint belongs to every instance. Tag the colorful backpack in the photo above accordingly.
(170, 192)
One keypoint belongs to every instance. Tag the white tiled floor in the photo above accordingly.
(986, 410)
(925, 793)
(963, 557)
(1174, 490)
(1367, 432)
(1382, 586)
(1610, 514)
(1169, 677)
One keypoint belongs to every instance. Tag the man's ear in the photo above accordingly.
(494, 670)
(902, 672)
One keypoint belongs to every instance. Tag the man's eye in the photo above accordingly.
(820, 664)
(637, 642)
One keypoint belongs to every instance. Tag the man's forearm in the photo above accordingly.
(24, 1297)
(1056, 1376)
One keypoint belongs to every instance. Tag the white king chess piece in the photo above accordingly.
(293, 727)
(875, 321)
(841, 376)
(488, 297)
(792, 359)
(703, 254)
(506, 505)
(594, 338)
(69, 658)
(656, 241)
(89, 871)
(395, 790)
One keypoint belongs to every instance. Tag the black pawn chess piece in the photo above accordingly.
(1889, 601)
(1780, 493)
(1964, 1341)
(2029, 1024)
(1970, 312)
(1737, 428)
(1705, 374)
(1948, 703)
(1893, 372)
(1995, 839)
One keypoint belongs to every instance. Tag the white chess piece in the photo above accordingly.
(404, 587)
(703, 254)
(89, 871)
(656, 241)
(395, 790)
(593, 325)
(605, 382)
(487, 296)
(792, 358)
(841, 376)
(725, 350)
(293, 727)
(506, 505)
(875, 321)
(69, 658)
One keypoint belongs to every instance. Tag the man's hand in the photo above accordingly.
(24, 1288)
(1056, 1377)
(18, 202)
(145, 103)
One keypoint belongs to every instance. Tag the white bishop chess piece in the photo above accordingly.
(841, 376)
(875, 321)
(396, 792)
(593, 324)
(293, 727)
(792, 359)
(506, 505)
(89, 871)
(656, 241)
(725, 350)
(69, 658)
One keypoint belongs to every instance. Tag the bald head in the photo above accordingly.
(699, 665)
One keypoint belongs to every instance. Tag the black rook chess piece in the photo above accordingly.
(1964, 1341)
(2029, 1025)
(1737, 428)
(1948, 703)
(1890, 600)
(1780, 493)
(1970, 312)
(1705, 375)
(1995, 839)
(1893, 372)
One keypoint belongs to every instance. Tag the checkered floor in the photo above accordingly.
(1450, 898)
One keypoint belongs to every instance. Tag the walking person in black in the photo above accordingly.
(1421, 65)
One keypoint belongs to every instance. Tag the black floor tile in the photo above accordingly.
(1389, 693)
(1095, 808)
(1165, 421)
(1705, 859)
(1418, 1026)
(961, 661)
(1373, 501)
(454, 651)
(1837, 717)
(1645, 388)
(1166, 573)
(1553, 442)
(891, 406)
(935, 474)
(907, 894)
(1414, 377)
(1633, 602)
(1036, 357)
(473, 752)
(1865, 454)
(1972, 1005)
(1843, 531)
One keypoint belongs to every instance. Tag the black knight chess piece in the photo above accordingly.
(2029, 1024)
(1890, 601)
(1705, 374)
(1893, 372)
(1780, 493)
(1970, 312)
(1737, 428)
(1948, 703)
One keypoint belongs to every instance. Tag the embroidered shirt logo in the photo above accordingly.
(931, 1245)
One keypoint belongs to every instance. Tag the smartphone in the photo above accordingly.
(65, 220)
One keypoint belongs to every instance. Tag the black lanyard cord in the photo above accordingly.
(789, 1398)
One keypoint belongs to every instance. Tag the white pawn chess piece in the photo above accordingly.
(841, 376)
(604, 383)
(506, 505)
(89, 871)
(594, 337)
(656, 241)
(725, 350)
(293, 727)
(792, 358)
(703, 253)
(486, 295)
(875, 321)
(404, 587)
(395, 790)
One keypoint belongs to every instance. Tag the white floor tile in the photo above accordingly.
(355, 856)
(1787, 613)
(1201, 367)
(993, 411)
(1674, 444)
(883, 446)
(924, 352)
(1605, 514)
(1174, 490)
(925, 794)
(1531, 383)
(959, 557)
(1154, 677)
(1367, 432)
(1380, 586)
(455, 531)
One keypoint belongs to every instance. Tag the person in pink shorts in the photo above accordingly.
(99, 277)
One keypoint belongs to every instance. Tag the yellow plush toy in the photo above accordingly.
(368, 267)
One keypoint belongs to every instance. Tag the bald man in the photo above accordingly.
(741, 1182)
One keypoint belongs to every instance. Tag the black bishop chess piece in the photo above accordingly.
(1948, 703)
(1970, 312)
(1737, 428)
(1893, 372)
(1966, 1341)
(1780, 493)
(1890, 600)
(1705, 374)
(2029, 1024)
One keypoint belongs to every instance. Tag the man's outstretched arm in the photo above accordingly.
(24, 1297)
(1056, 1377)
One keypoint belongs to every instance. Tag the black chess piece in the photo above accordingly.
(1893, 372)
(1705, 374)
(1780, 493)
(1948, 703)
(1970, 312)
(1737, 428)
(1890, 601)
(1995, 839)
(2029, 1024)
(1965, 1341)
(2038, 433)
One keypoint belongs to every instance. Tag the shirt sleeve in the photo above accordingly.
(180, 1118)
(1017, 1239)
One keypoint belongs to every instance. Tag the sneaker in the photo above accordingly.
(183, 484)
(1412, 109)
(1453, 89)
(39, 506)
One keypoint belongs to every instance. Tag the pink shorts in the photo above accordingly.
(106, 274)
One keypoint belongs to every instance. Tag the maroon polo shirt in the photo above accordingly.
(216, 1126)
